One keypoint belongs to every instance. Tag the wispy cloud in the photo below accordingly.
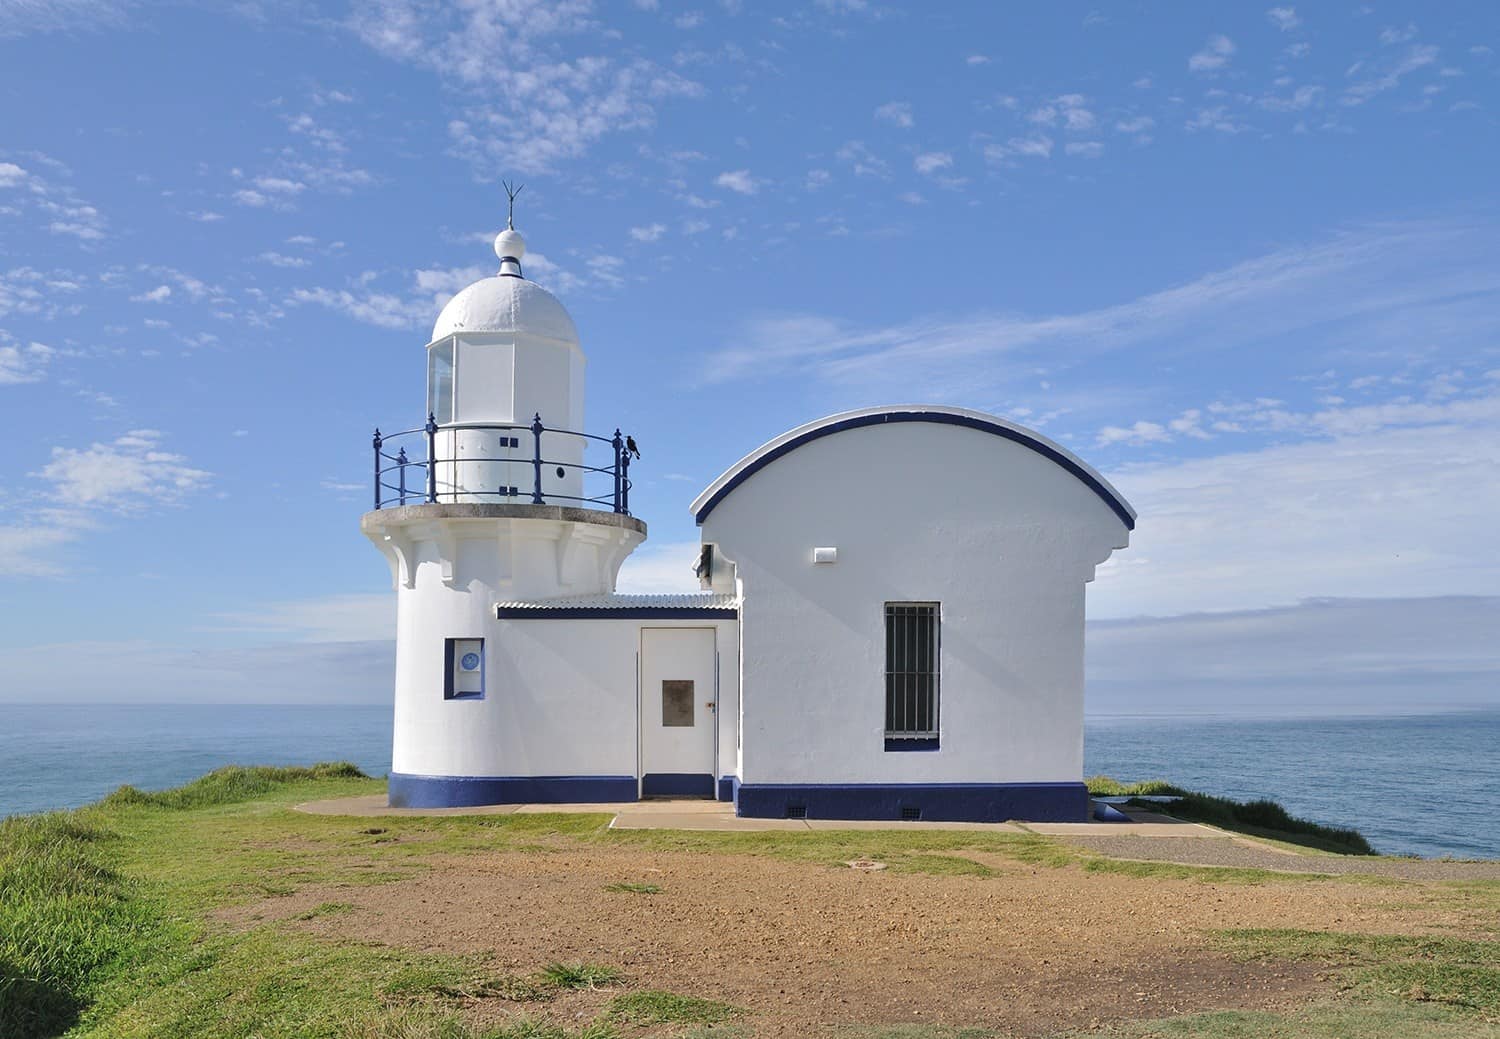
(128, 474)
(19, 364)
(131, 475)
(1331, 655)
(648, 233)
(1386, 74)
(57, 206)
(932, 162)
(897, 113)
(739, 181)
(1373, 286)
(24, 17)
(1214, 55)
(1284, 18)
(540, 95)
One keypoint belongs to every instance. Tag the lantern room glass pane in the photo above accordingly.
(440, 381)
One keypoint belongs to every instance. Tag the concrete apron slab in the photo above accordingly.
(670, 814)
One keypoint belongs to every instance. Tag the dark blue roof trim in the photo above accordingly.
(941, 417)
(679, 613)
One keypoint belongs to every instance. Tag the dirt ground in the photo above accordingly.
(806, 947)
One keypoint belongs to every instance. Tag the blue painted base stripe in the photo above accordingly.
(936, 802)
(408, 791)
(727, 787)
(677, 784)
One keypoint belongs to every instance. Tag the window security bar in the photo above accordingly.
(912, 670)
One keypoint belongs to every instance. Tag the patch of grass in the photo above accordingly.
(634, 889)
(940, 866)
(1459, 972)
(326, 909)
(231, 785)
(1223, 874)
(916, 1032)
(527, 1029)
(580, 975)
(656, 1008)
(1387, 1020)
(68, 921)
(1258, 818)
(1106, 786)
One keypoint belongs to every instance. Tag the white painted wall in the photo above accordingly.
(560, 699)
(1002, 536)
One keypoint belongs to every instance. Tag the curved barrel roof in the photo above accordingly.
(767, 453)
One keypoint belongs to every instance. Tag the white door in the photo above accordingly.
(678, 711)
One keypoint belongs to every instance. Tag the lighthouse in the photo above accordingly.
(499, 496)
(853, 651)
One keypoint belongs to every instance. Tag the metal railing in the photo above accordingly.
(412, 477)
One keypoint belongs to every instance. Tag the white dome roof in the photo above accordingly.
(506, 303)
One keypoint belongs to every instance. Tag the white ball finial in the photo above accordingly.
(509, 245)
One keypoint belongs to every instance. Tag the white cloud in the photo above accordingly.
(276, 259)
(329, 618)
(1084, 149)
(818, 179)
(660, 569)
(1217, 118)
(932, 162)
(154, 672)
(57, 206)
(24, 17)
(1393, 34)
(21, 364)
(1137, 434)
(279, 186)
(1320, 656)
(864, 162)
(738, 180)
(649, 233)
(160, 294)
(1214, 55)
(546, 78)
(127, 474)
(1377, 507)
(1037, 146)
(1380, 288)
(1388, 75)
(897, 113)
(977, 59)
(1284, 18)
(1067, 110)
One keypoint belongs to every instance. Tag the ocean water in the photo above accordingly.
(1424, 785)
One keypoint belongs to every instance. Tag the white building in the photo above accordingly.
(890, 626)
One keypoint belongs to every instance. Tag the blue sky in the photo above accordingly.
(1244, 260)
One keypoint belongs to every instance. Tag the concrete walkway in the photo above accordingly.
(673, 814)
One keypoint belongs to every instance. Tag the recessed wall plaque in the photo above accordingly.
(677, 702)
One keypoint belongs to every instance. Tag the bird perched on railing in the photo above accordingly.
(631, 449)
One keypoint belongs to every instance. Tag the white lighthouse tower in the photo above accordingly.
(499, 497)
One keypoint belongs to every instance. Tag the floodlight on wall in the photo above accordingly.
(825, 555)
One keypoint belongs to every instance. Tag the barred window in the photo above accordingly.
(912, 670)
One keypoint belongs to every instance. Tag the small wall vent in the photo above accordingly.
(796, 811)
(909, 814)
